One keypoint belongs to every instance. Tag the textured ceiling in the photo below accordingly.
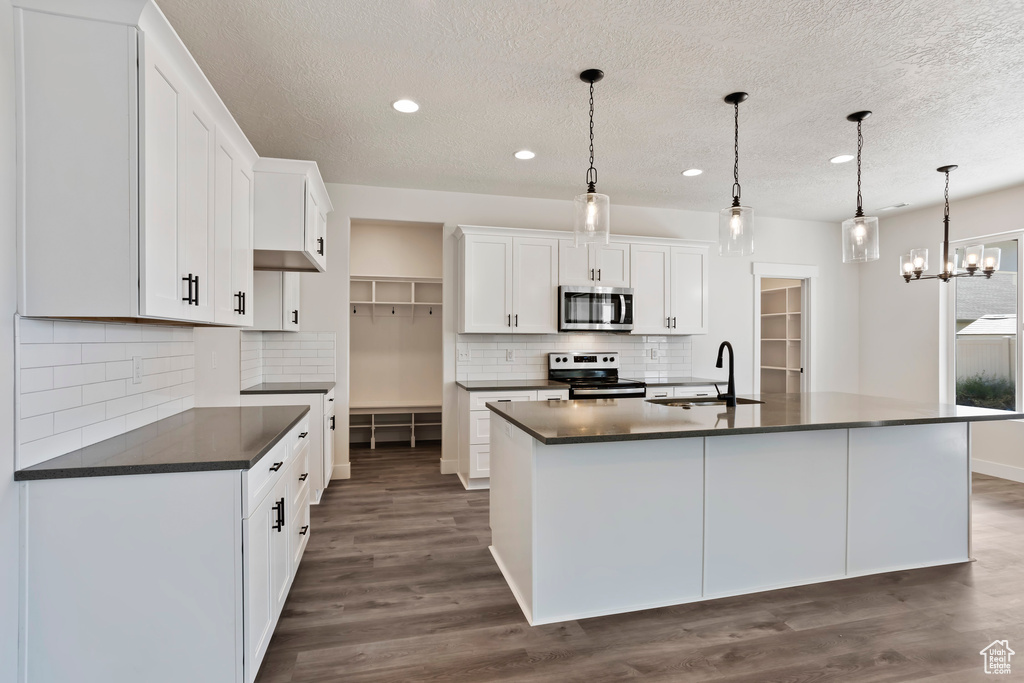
(314, 79)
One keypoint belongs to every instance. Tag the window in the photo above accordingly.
(986, 339)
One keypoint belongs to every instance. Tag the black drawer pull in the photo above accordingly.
(303, 435)
(303, 530)
(332, 423)
(276, 466)
(193, 297)
(279, 509)
(295, 316)
(302, 477)
(320, 248)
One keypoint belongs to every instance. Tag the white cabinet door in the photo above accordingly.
(321, 232)
(164, 113)
(650, 278)
(224, 161)
(200, 243)
(486, 284)
(280, 547)
(290, 285)
(574, 265)
(535, 285)
(315, 240)
(330, 425)
(611, 265)
(689, 290)
(241, 243)
(260, 606)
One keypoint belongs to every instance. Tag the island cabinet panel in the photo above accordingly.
(633, 496)
(775, 508)
(895, 522)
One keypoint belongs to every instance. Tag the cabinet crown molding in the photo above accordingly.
(461, 230)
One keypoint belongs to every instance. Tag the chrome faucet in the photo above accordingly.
(730, 395)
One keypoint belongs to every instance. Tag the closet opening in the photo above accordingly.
(395, 345)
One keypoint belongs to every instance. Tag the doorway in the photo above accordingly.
(782, 298)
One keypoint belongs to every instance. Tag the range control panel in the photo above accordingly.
(585, 360)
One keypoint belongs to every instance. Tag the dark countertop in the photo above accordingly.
(683, 382)
(289, 388)
(197, 440)
(511, 384)
(634, 419)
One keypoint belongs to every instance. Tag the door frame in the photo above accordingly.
(808, 274)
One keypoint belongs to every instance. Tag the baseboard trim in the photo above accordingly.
(998, 469)
(450, 466)
(342, 470)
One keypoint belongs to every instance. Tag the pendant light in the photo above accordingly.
(590, 209)
(976, 257)
(736, 223)
(860, 233)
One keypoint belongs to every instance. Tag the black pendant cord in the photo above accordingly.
(591, 172)
(945, 228)
(736, 158)
(860, 147)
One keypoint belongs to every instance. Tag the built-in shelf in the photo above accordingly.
(781, 353)
(400, 297)
(365, 422)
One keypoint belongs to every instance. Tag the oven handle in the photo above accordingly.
(609, 392)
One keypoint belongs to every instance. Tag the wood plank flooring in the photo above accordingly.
(397, 585)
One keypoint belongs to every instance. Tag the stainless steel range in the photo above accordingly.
(593, 374)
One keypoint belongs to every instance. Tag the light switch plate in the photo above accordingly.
(510, 355)
(654, 354)
(136, 369)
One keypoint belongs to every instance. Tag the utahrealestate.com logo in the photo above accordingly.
(997, 657)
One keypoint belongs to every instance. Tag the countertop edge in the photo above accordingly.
(739, 431)
(271, 392)
(29, 474)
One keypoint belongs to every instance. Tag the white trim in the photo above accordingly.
(342, 470)
(998, 469)
(462, 230)
(523, 605)
(788, 270)
(450, 466)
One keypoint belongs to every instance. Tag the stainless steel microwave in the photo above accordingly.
(608, 309)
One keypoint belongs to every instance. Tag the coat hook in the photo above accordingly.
(392, 310)
(353, 309)
(431, 310)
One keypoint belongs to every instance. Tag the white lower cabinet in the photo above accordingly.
(475, 424)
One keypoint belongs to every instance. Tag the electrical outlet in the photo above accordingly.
(654, 354)
(136, 369)
(464, 355)
(510, 355)
(508, 429)
(213, 360)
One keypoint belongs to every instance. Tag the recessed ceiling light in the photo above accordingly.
(525, 154)
(842, 158)
(692, 172)
(406, 106)
(894, 206)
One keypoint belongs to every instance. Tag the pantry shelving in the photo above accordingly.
(781, 324)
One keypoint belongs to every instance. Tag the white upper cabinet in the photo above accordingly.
(123, 200)
(650, 265)
(534, 285)
(275, 304)
(593, 265)
(485, 288)
(290, 216)
(233, 197)
(670, 291)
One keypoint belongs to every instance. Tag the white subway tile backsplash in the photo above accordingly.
(287, 357)
(75, 382)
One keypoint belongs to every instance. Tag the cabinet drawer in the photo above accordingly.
(298, 441)
(265, 474)
(480, 426)
(553, 395)
(480, 460)
(695, 392)
(479, 401)
(659, 392)
(329, 403)
(298, 528)
(300, 474)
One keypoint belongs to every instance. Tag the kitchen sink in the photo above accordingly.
(691, 402)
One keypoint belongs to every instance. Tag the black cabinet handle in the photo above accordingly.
(241, 303)
(320, 249)
(591, 273)
(668, 322)
(674, 322)
(192, 298)
(517, 320)
(332, 423)
(276, 466)
(295, 316)
(303, 530)
(598, 274)
(331, 400)
(302, 477)
(279, 522)
(303, 435)
(510, 320)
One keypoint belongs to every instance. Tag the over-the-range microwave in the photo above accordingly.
(606, 309)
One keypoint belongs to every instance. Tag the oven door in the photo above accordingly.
(595, 308)
(580, 393)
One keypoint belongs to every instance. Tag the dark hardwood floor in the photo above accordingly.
(397, 585)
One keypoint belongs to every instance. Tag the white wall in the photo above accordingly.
(731, 281)
(8, 304)
(900, 327)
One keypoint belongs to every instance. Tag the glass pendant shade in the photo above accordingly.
(906, 265)
(736, 231)
(953, 264)
(591, 218)
(919, 257)
(973, 255)
(990, 259)
(860, 239)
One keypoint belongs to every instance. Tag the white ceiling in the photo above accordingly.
(315, 79)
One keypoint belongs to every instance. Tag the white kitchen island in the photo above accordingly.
(602, 507)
